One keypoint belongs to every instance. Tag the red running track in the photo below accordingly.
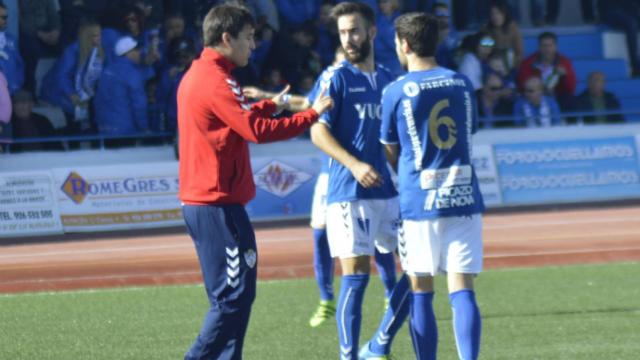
(523, 239)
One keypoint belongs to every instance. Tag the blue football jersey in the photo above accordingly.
(431, 115)
(354, 121)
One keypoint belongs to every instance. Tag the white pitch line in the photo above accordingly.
(128, 249)
(99, 278)
(548, 237)
(135, 275)
(570, 252)
(95, 251)
(295, 238)
(521, 224)
(96, 290)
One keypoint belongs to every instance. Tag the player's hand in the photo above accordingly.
(323, 102)
(253, 92)
(282, 98)
(366, 175)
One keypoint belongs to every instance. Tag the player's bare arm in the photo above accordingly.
(295, 103)
(364, 173)
(392, 153)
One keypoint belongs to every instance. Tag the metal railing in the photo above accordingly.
(92, 140)
(101, 141)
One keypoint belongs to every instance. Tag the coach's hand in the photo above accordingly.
(253, 92)
(282, 98)
(366, 175)
(323, 102)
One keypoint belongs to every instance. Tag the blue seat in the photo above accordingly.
(625, 88)
(631, 104)
(573, 46)
(614, 69)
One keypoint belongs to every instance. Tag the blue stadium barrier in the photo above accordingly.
(630, 111)
(99, 139)
(631, 103)
(573, 46)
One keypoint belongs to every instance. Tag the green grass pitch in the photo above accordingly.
(572, 312)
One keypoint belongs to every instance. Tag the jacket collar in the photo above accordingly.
(538, 60)
(209, 54)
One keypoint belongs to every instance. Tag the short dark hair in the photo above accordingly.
(548, 35)
(173, 15)
(225, 18)
(420, 30)
(88, 21)
(348, 8)
(505, 10)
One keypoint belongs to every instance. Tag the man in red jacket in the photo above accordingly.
(555, 70)
(216, 181)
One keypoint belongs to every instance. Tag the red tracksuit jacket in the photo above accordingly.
(567, 84)
(214, 124)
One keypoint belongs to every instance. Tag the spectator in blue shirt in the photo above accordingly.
(498, 65)
(131, 22)
(13, 22)
(327, 35)
(181, 53)
(372, 4)
(384, 45)
(73, 13)
(535, 109)
(293, 53)
(265, 12)
(173, 27)
(448, 45)
(39, 35)
(71, 83)
(293, 13)
(121, 102)
(11, 63)
(5, 101)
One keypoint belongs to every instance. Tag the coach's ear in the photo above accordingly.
(373, 31)
(226, 39)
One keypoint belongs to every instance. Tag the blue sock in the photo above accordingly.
(386, 265)
(394, 317)
(424, 329)
(323, 264)
(349, 314)
(467, 324)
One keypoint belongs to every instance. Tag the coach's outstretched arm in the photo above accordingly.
(295, 103)
(255, 123)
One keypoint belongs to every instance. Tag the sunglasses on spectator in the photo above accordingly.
(4, 17)
(487, 41)
(495, 88)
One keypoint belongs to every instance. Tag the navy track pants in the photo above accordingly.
(226, 246)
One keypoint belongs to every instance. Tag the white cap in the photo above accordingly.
(125, 44)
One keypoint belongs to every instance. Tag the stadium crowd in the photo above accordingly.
(118, 63)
